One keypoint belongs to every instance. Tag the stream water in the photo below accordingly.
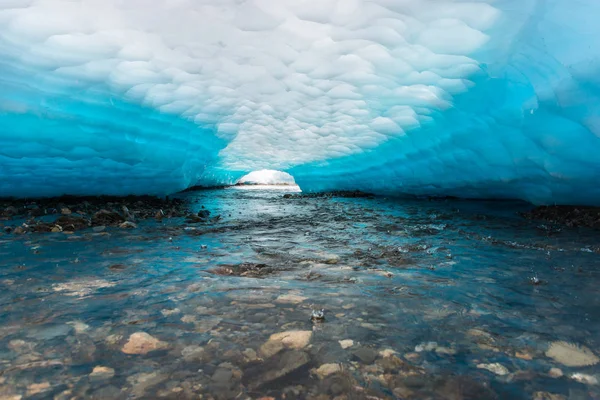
(442, 299)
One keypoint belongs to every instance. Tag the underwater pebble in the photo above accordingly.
(496, 368)
(290, 339)
(548, 396)
(142, 343)
(571, 354)
(347, 343)
(101, 372)
(327, 369)
(387, 353)
(429, 346)
(36, 388)
(290, 299)
(555, 372)
(585, 379)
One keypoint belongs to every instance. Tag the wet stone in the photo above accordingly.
(142, 343)
(365, 355)
(287, 362)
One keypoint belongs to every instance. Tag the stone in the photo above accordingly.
(291, 340)
(524, 355)
(36, 388)
(101, 372)
(585, 378)
(128, 225)
(193, 353)
(365, 355)
(346, 344)
(327, 369)
(19, 230)
(571, 355)
(65, 211)
(386, 353)
(496, 368)
(555, 372)
(290, 299)
(275, 368)
(142, 343)
(548, 396)
(428, 346)
(79, 326)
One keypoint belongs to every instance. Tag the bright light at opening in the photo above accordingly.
(267, 177)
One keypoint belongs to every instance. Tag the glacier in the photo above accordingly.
(481, 99)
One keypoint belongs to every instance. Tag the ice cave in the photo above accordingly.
(300, 199)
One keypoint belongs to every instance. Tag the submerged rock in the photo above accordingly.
(327, 369)
(142, 343)
(496, 368)
(101, 372)
(278, 367)
(346, 344)
(291, 340)
(571, 354)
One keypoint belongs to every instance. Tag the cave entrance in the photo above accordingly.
(268, 178)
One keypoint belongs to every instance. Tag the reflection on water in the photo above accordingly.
(421, 299)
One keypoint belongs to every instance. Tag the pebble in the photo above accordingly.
(347, 343)
(327, 369)
(548, 396)
(36, 388)
(428, 346)
(101, 372)
(365, 355)
(290, 339)
(496, 368)
(387, 353)
(290, 299)
(193, 353)
(555, 372)
(524, 355)
(128, 225)
(585, 379)
(142, 343)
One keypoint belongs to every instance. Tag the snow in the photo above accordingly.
(495, 98)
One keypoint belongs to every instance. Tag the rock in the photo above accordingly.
(365, 355)
(36, 388)
(276, 368)
(105, 218)
(8, 229)
(445, 351)
(386, 353)
(555, 372)
(72, 223)
(496, 368)
(548, 396)
(250, 355)
(585, 379)
(79, 326)
(290, 299)
(193, 353)
(128, 225)
(65, 211)
(524, 355)
(346, 344)
(56, 229)
(327, 369)
(19, 230)
(142, 343)
(204, 214)
(429, 346)
(100, 373)
(291, 340)
(10, 211)
(571, 355)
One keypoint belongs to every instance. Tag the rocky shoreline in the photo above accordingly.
(571, 216)
(71, 214)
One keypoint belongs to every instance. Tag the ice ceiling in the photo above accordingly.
(444, 97)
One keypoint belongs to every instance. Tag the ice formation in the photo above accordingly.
(496, 98)
(268, 177)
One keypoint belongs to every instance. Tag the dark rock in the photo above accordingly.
(275, 368)
(365, 355)
(571, 216)
(204, 214)
(71, 223)
(10, 211)
(244, 269)
(8, 229)
(105, 217)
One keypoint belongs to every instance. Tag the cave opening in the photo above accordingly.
(267, 178)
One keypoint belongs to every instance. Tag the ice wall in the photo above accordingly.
(448, 97)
